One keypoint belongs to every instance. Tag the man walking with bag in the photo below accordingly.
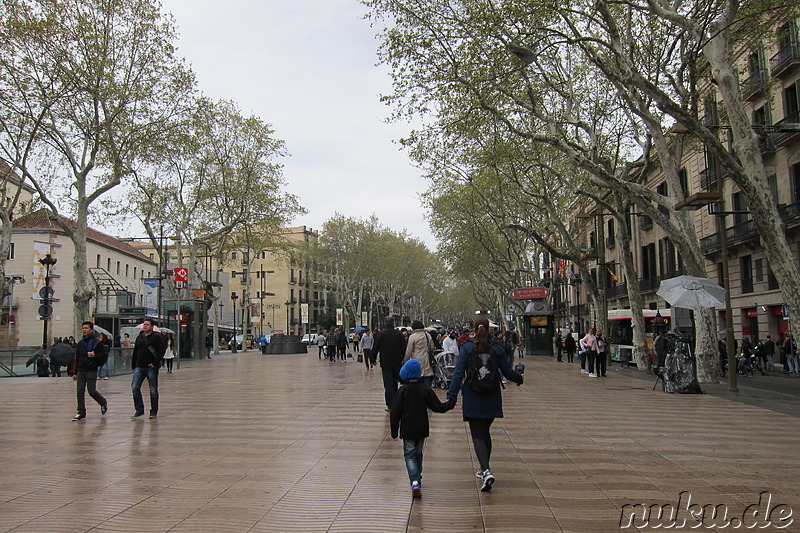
(90, 354)
(148, 351)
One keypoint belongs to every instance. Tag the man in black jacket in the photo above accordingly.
(148, 351)
(390, 346)
(90, 354)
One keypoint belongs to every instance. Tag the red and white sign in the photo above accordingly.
(181, 277)
(529, 293)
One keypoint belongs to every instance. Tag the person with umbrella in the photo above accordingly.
(90, 354)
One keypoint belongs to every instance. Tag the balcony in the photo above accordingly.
(756, 84)
(766, 141)
(787, 128)
(782, 63)
(708, 179)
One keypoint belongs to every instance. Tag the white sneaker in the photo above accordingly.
(488, 480)
(592, 375)
(584, 371)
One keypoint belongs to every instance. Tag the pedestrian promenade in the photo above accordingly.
(258, 443)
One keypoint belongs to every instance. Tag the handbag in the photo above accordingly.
(360, 358)
(431, 357)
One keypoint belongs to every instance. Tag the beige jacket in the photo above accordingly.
(418, 344)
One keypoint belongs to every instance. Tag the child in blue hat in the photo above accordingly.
(409, 414)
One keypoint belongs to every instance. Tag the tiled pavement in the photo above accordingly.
(252, 443)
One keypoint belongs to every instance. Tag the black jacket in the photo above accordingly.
(391, 346)
(411, 407)
(143, 356)
(86, 345)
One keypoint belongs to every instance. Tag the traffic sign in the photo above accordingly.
(181, 277)
(529, 293)
(45, 293)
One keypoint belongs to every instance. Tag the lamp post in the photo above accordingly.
(273, 307)
(45, 311)
(11, 280)
(234, 297)
(261, 295)
(575, 281)
(287, 303)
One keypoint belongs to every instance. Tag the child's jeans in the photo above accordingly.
(412, 451)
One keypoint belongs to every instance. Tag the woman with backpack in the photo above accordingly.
(478, 368)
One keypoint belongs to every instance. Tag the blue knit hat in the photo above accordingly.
(411, 369)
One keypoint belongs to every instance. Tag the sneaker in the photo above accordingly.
(479, 474)
(583, 371)
(592, 375)
(103, 409)
(105, 377)
(78, 417)
(137, 415)
(151, 417)
(488, 480)
(416, 490)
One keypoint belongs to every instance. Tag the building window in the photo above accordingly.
(127, 271)
(10, 255)
(759, 268)
(108, 265)
(684, 180)
(134, 272)
(234, 255)
(119, 267)
(721, 275)
(663, 191)
(746, 267)
(152, 256)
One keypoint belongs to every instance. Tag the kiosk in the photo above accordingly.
(539, 328)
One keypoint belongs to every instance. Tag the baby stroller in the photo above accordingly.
(445, 365)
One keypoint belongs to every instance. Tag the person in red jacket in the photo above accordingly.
(409, 415)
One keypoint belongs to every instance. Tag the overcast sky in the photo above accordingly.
(308, 68)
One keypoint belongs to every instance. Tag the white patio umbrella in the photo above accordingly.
(689, 292)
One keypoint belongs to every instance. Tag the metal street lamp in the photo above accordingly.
(273, 307)
(287, 303)
(234, 297)
(45, 310)
(11, 280)
(575, 280)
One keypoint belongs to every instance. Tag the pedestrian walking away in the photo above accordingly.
(409, 419)
(390, 348)
(330, 342)
(569, 346)
(91, 354)
(477, 370)
(148, 352)
(320, 341)
(420, 347)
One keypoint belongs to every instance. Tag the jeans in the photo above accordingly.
(391, 378)
(87, 380)
(770, 361)
(412, 451)
(791, 360)
(590, 356)
(139, 375)
(428, 381)
(600, 363)
(103, 371)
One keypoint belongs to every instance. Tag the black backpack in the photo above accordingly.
(483, 374)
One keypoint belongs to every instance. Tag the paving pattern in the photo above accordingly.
(254, 443)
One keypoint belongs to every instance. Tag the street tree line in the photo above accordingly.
(94, 98)
(544, 111)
